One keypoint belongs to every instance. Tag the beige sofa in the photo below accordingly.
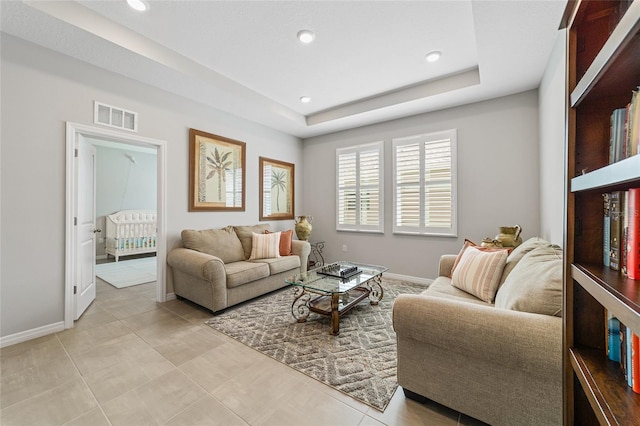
(498, 362)
(214, 268)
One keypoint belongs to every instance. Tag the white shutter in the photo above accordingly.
(359, 188)
(424, 168)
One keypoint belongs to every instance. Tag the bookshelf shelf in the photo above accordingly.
(616, 401)
(612, 51)
(603, 69)
(623, 172)
(618, 293)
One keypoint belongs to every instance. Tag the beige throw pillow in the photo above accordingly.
(222, 243)
(535, 284)
(519, 252)
(265, 246)
(245, 234)
(479, 272)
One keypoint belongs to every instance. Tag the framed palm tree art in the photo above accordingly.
(216, 172)
(276, 189)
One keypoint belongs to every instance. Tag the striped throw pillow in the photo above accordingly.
(265, 246)
(479, 272)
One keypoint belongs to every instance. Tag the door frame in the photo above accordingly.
(74, 130)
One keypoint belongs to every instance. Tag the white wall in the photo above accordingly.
(552, 140)
(41, 91)
(122, 184)
(498, 175)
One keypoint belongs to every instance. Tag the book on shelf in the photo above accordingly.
(623, 347)
(635, 363)
(607, 231)
(613, 338)
(624, 130)
(633, 142)
(616, 137)
(624, 231)
(633, 234)
(615, 213)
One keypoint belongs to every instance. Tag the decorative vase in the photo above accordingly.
(490, 242)
(303, 227)
(509, 236)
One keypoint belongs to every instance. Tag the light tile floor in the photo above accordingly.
(131, 361)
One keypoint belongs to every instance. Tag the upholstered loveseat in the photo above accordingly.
(218, 268)
(498, 360)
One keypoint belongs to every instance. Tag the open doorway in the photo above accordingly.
(104, 146)
(126, 212)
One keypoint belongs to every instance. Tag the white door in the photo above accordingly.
(85, 285)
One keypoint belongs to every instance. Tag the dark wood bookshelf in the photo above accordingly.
(603, 69)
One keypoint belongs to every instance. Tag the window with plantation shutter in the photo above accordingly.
(424, 181)
(359, 188)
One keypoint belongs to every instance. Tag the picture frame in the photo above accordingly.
(277, 189)
(217, 170)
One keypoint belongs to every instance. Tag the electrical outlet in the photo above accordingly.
(344, 247)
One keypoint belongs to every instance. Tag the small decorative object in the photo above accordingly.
(216, 172)
(490, 242)
(276, 189)
(509, 236)
(303, 227)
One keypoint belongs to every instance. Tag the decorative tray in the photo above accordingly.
(339, 271)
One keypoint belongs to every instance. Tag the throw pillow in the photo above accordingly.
(245, 234)
(265, 246)
(535, 284)
(479, 272)
(285, 241)
(222, 243)
(469, 243)
(519, 252)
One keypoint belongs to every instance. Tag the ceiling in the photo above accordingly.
(366, 64)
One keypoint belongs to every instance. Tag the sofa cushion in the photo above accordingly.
(285, 241)
(245, 234)
(479, 272)
(519, 252)
(239, 273)
(281, 264)
(535, 284)
(441, 287)
(265, 246)
(222, 243)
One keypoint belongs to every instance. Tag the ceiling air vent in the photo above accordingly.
(115, 117)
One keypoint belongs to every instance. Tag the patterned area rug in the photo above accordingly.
(360, 362)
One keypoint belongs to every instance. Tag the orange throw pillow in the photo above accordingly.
(285, 241)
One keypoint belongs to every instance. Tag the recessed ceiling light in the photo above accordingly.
(306, 36)
(433, 56)
(139, 5)
(305, 99)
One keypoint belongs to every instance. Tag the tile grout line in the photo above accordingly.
(83, 381)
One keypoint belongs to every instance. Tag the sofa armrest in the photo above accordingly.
(446, 264)
(301, 249)
(518, 340)
(197, 264)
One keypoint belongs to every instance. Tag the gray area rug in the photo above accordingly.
(360, 362)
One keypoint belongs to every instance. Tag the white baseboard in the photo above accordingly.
(34, 333)
(170, 296)
(409, 278)
(102, 256)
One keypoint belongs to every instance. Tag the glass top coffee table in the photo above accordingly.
(333, 290)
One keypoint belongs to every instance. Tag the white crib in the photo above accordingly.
(131, 232)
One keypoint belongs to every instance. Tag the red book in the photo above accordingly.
(633, 237)
(635, 362)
